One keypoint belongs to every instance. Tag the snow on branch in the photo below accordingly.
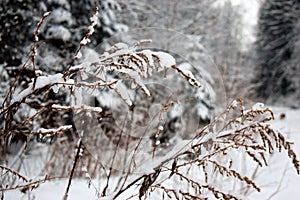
(55, 81)
(90, 31)
(133, 63)
(45, 132)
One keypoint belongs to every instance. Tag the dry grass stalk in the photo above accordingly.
(213, 155)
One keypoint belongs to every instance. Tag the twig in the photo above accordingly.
(113, 159)
(77, 156)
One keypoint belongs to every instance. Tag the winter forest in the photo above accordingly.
(157, 99)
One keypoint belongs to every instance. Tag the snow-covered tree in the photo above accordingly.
(277, 52)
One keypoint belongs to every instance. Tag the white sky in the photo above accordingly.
(249, 9)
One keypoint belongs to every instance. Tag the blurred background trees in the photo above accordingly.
(277, 48)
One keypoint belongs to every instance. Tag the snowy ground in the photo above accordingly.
(278, 181)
